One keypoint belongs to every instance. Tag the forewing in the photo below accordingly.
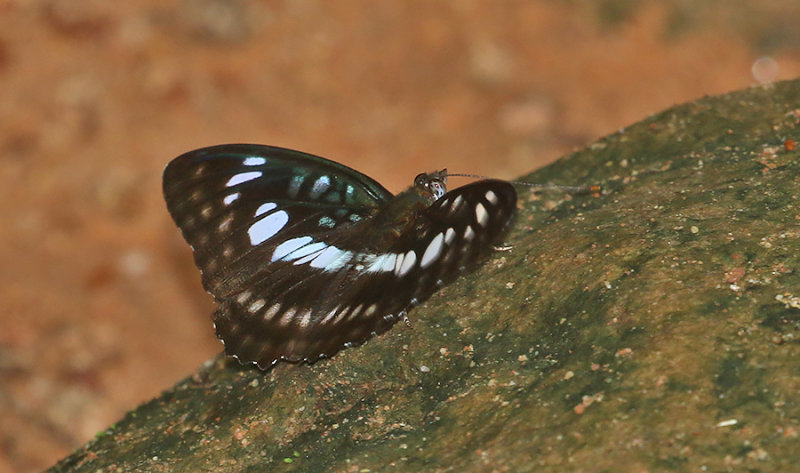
(343, 296)
(236, 203)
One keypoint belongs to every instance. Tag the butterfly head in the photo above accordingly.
(431, 185)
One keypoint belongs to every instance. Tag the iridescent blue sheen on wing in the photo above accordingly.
(306, 256)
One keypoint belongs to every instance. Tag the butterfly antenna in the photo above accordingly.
(570, 189)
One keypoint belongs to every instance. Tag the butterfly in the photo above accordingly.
(306, 256)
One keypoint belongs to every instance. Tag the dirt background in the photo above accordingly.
(100, 305)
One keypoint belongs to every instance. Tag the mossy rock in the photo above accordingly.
(651, 327)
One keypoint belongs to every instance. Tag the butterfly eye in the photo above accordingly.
(438, 189)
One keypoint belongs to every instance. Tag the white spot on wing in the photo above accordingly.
(449, 235)
(469, 233)
(310, 257)
(331, 315)
(294, 186)
(481, 215)
(254, 161)
(307, 253)
(320, 186)
(230, 198)
(398, 263)
(491, 197)
(243, 177)
(349, 193)
(287, 317)
(326, 222)
(225, 224)
(388, 263)
(331, 259)
(267, 227)
(289, 246)
(374, 262)
(433, 251)
(305, 319)
(270, 313)
(456, 204)
(340, 262)
(264, 208)
(355, 312)
(243, 296)
(370, 310)
(408, 262)
(380, 263)
(256, 306)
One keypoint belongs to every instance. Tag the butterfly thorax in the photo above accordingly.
(402, 212)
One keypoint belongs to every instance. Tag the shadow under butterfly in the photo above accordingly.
(306, 256)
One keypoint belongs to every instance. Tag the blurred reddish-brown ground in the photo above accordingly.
(100, 304)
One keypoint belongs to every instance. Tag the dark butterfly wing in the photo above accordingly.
(235, 204)
(313, 304)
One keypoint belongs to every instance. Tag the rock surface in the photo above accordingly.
(651, 328)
